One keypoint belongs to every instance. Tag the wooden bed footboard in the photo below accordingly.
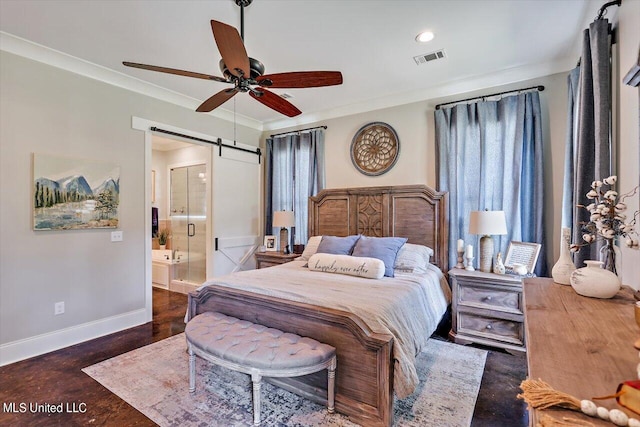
(364, 376)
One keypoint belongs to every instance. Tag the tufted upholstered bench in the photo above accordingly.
(258, 351)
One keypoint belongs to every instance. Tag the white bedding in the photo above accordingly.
(408, 306)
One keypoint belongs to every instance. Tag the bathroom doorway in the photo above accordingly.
(181, 200)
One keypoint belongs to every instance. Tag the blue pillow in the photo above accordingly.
(337, 245)
(383, 248)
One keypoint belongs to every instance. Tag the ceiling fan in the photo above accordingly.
(247, 74)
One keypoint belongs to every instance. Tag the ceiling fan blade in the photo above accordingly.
(231, 48)
(275, 102)
(301, 79)
(175, 71)
(216, 100)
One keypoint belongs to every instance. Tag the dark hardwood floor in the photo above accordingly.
(56, 378)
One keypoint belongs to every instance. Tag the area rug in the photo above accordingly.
(154, 379)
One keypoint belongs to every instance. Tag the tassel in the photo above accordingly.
(547, 421)
(541, 395)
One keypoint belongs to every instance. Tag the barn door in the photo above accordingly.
(236, 210)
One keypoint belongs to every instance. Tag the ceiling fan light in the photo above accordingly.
(425, 36)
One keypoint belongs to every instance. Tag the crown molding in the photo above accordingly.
(37, 52)
(28, 49)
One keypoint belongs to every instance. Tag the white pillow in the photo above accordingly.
(370, 268)
(310, 249)
(413, 258)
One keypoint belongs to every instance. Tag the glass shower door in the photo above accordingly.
(188, 222)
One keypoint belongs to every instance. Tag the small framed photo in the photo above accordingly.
(523, 253)
(270, 243)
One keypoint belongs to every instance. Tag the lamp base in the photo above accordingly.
(284, 239)
(486, 253)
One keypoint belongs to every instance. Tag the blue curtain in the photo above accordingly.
(295, 171)
(588, 142)
(490, 157)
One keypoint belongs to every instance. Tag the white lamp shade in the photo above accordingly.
(283, 219)
(487, 223)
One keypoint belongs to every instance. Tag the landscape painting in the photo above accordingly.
(71, 194)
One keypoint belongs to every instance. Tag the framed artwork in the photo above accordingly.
(524, 253)
(72, 194)
(270, 243)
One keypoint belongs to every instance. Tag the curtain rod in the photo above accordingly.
(538, 88)
(604, 7)
(297, 131)
(219, 142)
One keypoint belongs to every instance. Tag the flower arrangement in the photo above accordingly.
(607, 220)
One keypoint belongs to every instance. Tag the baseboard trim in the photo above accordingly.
(45, 343)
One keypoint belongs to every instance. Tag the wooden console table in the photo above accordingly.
(581, 346)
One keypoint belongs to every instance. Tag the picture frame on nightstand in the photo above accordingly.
(270, 243)
(524, 253)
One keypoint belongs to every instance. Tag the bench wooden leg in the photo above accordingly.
(256, 378)
(192, 370)
(331, 392)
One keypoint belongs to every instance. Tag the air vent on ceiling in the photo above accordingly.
(286, 95)
(427, 57)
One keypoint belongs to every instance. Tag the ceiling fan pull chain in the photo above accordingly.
(234, 121)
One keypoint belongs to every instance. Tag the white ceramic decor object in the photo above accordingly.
(498, 266)
(594, 281)
(561, 271)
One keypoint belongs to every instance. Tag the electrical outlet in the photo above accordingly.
(116, 236)
(58, 308)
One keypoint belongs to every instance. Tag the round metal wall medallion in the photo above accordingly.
(375, 148)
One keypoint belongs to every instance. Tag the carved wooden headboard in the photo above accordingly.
(413, 211)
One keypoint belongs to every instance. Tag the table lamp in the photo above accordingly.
(487, 223)
(284, 219)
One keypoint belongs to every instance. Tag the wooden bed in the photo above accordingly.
(364, 379)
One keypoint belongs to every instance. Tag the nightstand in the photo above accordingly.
(487, 309)
(269, 259)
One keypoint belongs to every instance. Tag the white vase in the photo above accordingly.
(561, 271)
(594, 281)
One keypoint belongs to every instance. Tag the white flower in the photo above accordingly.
(628, 242)
(621, 207)
(621, 216)
(610, 180)
(574, 247)
(611, 195)
(592, 194)
(587, 238)
(605, 210)
(591, 207)
(627, 228)
(595, 216)
(608, 233)
(596, 184)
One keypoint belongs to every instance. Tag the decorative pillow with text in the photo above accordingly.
(370, 268)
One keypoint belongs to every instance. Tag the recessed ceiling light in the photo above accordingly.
(425, 36)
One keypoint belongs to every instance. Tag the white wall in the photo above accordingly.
(629, 126)
(47, 110)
